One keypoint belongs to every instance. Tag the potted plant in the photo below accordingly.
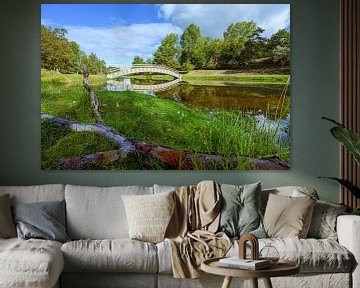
(351, 141)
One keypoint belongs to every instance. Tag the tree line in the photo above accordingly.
(60, 54)
(242, 46)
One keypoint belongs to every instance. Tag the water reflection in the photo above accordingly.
(229, 96)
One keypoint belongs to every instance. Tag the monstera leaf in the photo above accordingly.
(348, 185)
(352, 142)
(348, 138)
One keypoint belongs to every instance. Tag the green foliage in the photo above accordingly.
(138, 60)
(56, 51)
(60, 54)
(168, 52)
(187, 66)
(351, 141)
(241, 47)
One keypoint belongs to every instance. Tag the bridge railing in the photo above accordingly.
(139, 68)
(154, 66)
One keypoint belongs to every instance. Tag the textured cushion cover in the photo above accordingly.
(313, 255)
(117, 255)
(287, 216)
(109, 280)
(240, 210)
(98, 212)
(323, 222)
(44, 220)
(7, 226)
(149, 215)
(32, 264)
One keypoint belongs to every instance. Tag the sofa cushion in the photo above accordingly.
(43, 220)
(30, 263)
(7, 226)
(35, 193)
(117, 255)
(240, 210)
(313, 255)
(323, 222)
(287, 216)
(98, 213)
(149, 215)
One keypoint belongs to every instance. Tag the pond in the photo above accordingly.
(269, 100)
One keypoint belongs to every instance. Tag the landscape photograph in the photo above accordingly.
(165, 87)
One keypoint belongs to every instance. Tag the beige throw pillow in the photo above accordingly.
(149, 215)
(288, 217)
(7, 226)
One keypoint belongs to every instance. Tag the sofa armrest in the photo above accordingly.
(348, 230)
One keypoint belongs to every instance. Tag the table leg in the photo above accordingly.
(227, 282)
(267, 283)
(254, 282)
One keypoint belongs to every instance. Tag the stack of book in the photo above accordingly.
(248, 264)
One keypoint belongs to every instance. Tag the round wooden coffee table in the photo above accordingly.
(281, 268)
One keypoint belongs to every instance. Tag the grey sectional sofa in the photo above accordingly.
(101, 254)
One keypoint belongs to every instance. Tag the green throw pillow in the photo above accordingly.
(240, 213)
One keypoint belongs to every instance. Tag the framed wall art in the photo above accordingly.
(165, 86)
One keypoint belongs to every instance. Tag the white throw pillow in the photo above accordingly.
(149, 215)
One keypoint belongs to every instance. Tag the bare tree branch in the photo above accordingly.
(93, 98)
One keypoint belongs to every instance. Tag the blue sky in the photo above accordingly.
(118, 32)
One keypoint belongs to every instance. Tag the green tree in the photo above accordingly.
(189, 42)
(138, 60)
(76, 65)
(281, 55)
(195, 49)
(168, 52)
(280, 38)
(239, 40)
(56, 52)
(279, 47)
(94, 65)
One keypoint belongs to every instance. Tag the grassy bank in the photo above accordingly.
(239, 76)
(143, 118)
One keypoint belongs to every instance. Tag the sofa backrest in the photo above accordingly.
(98, 212)
(35, 193)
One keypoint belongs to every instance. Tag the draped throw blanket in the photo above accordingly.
(191, 231)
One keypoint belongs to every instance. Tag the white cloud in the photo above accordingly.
(119, 45)
(213, 19)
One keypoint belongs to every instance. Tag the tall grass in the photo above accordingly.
(144, 118)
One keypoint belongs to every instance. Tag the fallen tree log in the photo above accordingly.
(119, 141)
(170, 158)
(93, 98)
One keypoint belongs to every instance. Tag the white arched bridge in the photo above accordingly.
(142, 68)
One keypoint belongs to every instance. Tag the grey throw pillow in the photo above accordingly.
(323, 222)
(240, 213)
(7, 226)
(44, 220)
